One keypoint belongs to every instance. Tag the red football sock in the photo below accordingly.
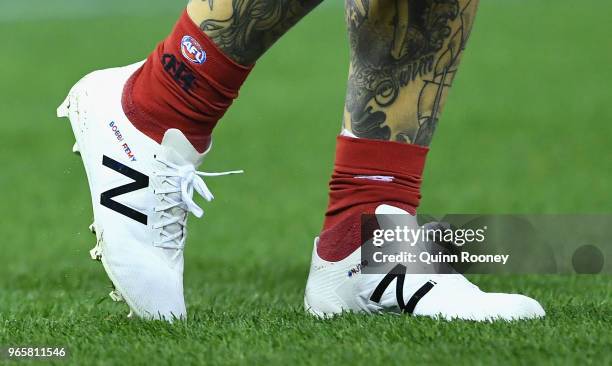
(368, 173)
(187, 83)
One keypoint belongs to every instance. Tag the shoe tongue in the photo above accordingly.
(390, 217)
(390, 210)
(179, 150)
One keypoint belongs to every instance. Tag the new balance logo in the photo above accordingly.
(399, 272)
(140, 181)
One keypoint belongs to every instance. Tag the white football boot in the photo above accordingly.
(141, 194)
(337, 287)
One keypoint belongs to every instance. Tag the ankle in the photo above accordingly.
(187, 83)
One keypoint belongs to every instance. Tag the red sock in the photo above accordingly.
(368, 173)
(187, 83)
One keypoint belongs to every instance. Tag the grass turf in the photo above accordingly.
(526, 130)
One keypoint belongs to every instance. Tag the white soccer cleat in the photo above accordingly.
(337, 287)
(142, 193)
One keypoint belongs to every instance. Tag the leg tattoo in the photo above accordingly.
(404, 57)
(245, 29)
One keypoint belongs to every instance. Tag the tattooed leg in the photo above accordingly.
(404, 57)
(245, 29)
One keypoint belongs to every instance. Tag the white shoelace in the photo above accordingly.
(182, 181)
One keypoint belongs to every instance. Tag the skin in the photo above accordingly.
(246, 29)
(404, 57)
(404, 54)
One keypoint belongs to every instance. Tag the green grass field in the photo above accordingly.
(527, 130)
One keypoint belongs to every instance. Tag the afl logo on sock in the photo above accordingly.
(192, 50)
